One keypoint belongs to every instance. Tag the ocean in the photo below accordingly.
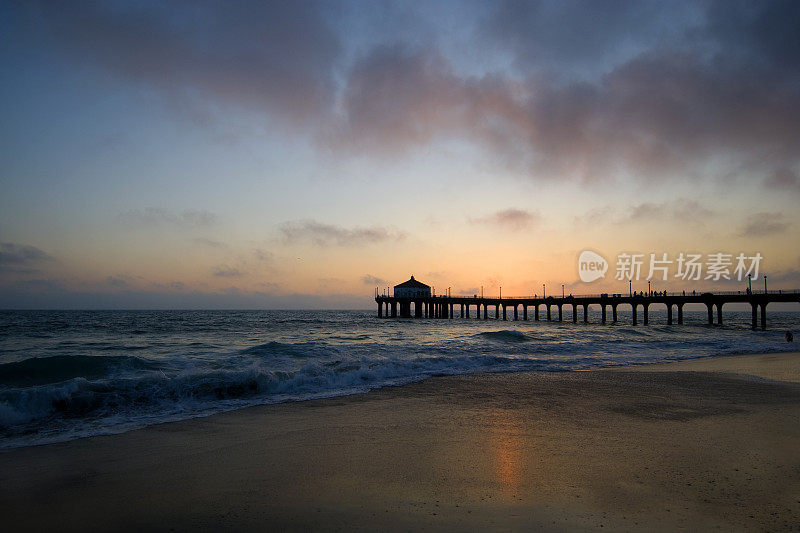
(72, 374)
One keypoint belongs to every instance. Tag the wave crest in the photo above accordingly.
(505, 335)
(58, 368)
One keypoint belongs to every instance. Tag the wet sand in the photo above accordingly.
(709, 443)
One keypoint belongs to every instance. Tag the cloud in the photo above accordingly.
(647, 210)
(22, 258)
(511, 219)
(764, 224)
(595, 216)
(790, 277)
(641, 90)
(321, 234)
(678, 209)
(369, 279)
(572, 39)
(50, 295)
(327, 283)
(224, 271)
(263, 255)
(686, 103)
(41, 285)
(691, 210)
(117, 281)
(159, 216)
(271, 55)
(783, 179)
(270, 286)
(209, 242)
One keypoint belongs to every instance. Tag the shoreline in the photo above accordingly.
(695, 443)
(774, 366)
(766, 370)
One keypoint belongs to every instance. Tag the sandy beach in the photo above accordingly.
(702, 444)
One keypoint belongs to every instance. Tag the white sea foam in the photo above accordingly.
(83, 381)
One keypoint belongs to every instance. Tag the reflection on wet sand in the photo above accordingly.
(506, 443)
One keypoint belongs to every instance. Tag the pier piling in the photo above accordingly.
(444, 307)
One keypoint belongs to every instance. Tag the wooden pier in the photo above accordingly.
(517, 307)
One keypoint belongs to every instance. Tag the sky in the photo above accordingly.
(233, 154)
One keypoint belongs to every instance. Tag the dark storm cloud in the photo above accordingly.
(319, 234)
(272, 54)
(510, 219)
(21, 258)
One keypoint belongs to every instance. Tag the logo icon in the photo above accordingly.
(591, 266)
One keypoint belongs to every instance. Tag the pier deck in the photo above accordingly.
(445, 306)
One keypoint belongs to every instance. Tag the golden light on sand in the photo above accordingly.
(506, 450)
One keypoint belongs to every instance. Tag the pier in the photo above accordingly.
(553, 308)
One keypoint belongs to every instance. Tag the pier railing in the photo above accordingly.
(611, 295)
(448, 306)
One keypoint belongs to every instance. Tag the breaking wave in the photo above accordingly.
(82, 380)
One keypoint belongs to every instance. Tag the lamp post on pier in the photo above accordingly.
(562, 291)
(765, 284)
(544, 294)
